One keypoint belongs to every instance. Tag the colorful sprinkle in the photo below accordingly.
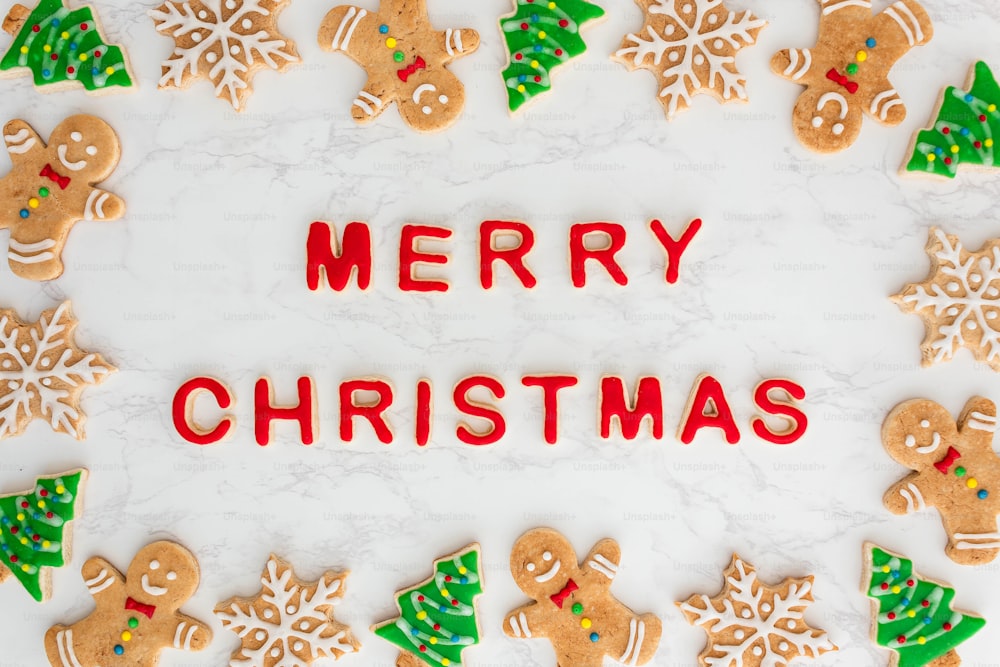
(870, 42)
(594, 636)
(960, 471)
(384, 29)
(133, 623)
(577, 608)
(972, 483)
(398, 56)
(391, 42)
(24, 213)
(861, 56)
(983, 494)
(119, 649)
(852, 69)
(585, 623)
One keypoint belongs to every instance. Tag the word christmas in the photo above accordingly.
(369, 399)
(500, 242)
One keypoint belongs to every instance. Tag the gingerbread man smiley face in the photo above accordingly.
(441, 101)
(826, 118)
(162, 575)
(85, 149)
(921, 434)
(541, 567)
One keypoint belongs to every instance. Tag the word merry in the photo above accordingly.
(618, 409)
(500, 242)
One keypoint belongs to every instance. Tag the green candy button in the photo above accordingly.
(960, 472)
(44, 192)
(578, 609)
(133, 623)
(398, 56)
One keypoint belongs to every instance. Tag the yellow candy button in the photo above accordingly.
(109, 71)
(972, 483)
(46, 48)
(126, 636)
(521, 88)
(33, 203)
(930, 157)
(861, 56)
(585, 623)
(83, 57)
(988, 143)
(24, 49)
(541, 34)
(65, 35)
(391, 43)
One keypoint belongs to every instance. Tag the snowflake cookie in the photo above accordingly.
(691, 46)
(959, 301)
(43, 372)
(290, 622)
(225, 41)
(846, 74)
(752, 624)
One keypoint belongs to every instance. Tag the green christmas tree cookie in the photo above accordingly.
(437, 618)
(965, 129)
(33, 530)
(60, 47)
(913, 616)
(540, 35)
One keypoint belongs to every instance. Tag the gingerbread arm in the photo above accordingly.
(103, 206)
(525, 622)
(190, 634)
(794, 65)
(601, 564)
(336, 31)
(977, 424)
(458, 42)
(21, 140)
(372, 101)
(100, 576)
(906, 496)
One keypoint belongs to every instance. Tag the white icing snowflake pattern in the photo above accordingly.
(225, 41)
(766, 622)
(959, 301)
(43, 373)
(290, 623)
(691, 46)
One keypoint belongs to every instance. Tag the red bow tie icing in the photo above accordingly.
(561, 596)
(405, 73)
(49, 173)
(146, 610)
(944, 465)
(834, 75)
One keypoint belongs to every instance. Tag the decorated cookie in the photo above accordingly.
(224, 41)
(61, 48)
(691, 47)
(955, 470)
(43, 372)
(35, 530)
(752, 624)
(964, 126)
(53, 187)
(406, 59)
(846, 74)
(913, 616)
(573, 606)
(437, 617)
(137, 614)
(540, 35)
(959, 301)
(290, 621)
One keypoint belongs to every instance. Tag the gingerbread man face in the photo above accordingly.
(85, 149)
(541, 562)
(163, 574)
(437, 96)
(921, 433)
(826, 118)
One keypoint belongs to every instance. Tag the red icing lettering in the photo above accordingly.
(795, 418)
(497, 427)
(579, 253)
(323, 257)
(372, 411)
(614, 404)
(183, 411)
(410, 255)
(708, 408)
(550, 384)
(490, 252)
(425, 412)
(674, 248)
(266, 412)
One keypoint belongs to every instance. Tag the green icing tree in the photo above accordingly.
(60, 45)
(540, 35)
(964, 132)
(914, 616)
(32, 525)
(437, 618)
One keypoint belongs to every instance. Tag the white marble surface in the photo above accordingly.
(790, 276)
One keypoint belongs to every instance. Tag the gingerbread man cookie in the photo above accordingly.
(406, 59)
(52, 187)
(574, 608)
(846, 74)
(956, 471)
(136, 616)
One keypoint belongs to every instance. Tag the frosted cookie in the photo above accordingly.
(846, 74)
(290, 621)
(52, 187)
(63, 48)
(43, 372)
(753, 624)
(226, 42)
(406, 59)
(954, 470)
(691, 47)
(573, 606)
(959, 301)
(437, 617)
(965, 123)
(912, 616)
(35, 532)
(136, 615)
(540, 35)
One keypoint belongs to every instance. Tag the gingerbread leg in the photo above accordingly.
(59, 647)
(643, 640)
(16, 17)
